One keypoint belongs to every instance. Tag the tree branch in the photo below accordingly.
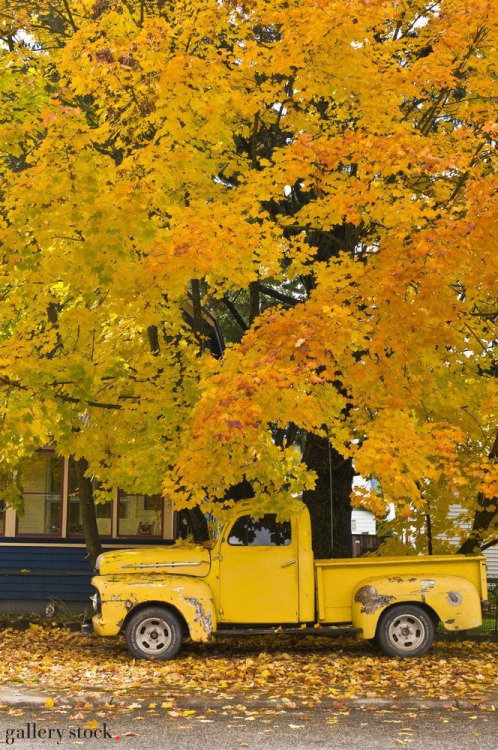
(69, 15)
(281, 296)
(235, 313)
(62, 396)
(489, 544)
(254, 302)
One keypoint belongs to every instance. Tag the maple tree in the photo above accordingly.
(336, 157)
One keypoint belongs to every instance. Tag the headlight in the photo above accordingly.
(96, 602)
(97, 564)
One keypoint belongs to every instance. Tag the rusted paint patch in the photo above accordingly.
(204, 619)
(427, 583)
(454, 598)
(371, 600)
(450, 622)
(396, 579)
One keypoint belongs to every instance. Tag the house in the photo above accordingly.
(43, 556)
(491, 553)
(364, 532)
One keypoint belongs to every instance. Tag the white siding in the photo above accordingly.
(491, 555)
(362, 522)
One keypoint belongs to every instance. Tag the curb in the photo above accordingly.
(19, 697)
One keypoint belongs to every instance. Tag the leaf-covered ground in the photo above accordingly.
(304, 669)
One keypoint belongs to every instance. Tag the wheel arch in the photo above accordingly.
(452, 600)
(163, 605)
(414, 603)
(189, 597)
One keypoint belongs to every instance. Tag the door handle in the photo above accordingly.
(291, 562)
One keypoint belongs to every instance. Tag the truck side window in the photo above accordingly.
(260, 532)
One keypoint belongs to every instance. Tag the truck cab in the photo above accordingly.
(261, 576)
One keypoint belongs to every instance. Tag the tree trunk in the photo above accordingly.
(486, 513)
(193, 521)
(329, 503)
(198, 319)
(88, 515)
(254, 302)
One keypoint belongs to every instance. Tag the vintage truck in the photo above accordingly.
(261, 577)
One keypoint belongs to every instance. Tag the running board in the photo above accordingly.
(324, 632)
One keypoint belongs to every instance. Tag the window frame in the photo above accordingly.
(45, 535)
(258, 546)
(72, 535)
(120, 495)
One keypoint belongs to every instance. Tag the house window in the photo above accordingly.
(103, 511)
(260, 532)
(41, 481)
(140, 515)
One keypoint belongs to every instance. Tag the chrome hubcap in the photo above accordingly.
(154, 636)
(406, 632)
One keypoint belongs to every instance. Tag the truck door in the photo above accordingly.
(259, 571)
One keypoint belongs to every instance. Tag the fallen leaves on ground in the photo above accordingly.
(289, 669)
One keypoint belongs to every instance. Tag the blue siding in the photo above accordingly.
(35, 572)
(60, 572)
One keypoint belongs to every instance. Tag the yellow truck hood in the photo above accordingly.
(191, 560)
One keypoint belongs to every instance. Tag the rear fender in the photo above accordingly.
(454, 600)
(120, 595)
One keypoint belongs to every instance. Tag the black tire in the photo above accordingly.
(154, 633)
(405, 630)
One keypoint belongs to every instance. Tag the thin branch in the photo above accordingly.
(280, 296)
(69, 15)
(489, 544)
(63, 397)
(235, 313)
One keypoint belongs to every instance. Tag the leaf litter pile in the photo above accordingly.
(304, 669)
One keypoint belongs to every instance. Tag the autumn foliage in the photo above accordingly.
(339, 150)
(287, 672)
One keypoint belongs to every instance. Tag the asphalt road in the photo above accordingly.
(354, 730)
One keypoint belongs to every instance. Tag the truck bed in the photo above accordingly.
(336, 580)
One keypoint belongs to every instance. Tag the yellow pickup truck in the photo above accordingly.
(261, 577)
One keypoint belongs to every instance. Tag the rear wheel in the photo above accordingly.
(405, 630)
(154, 633)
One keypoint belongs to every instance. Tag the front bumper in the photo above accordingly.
(87, 627)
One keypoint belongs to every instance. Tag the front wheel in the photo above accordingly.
(154, 633)
(405, 630)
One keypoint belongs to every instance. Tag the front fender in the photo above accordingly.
(455, 600)
(120, 595)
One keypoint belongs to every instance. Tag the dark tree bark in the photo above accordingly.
(198, 319)
(485, 514)
(193, 521)
(430, 546)
(254, 302)
(88, 515)
(329, 502)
